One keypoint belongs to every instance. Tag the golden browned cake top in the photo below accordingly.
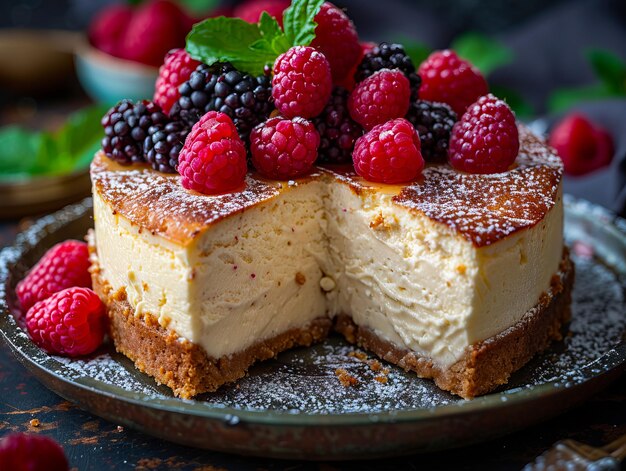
(481, 208)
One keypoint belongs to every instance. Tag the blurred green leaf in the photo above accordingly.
(197, 7)
(564, 99)
(19, 151)
(484, 52)
(610, 68)
(417, 51)
(522, 108)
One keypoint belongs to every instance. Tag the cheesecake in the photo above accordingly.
(457, 277)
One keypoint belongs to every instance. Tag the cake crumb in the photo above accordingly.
(300, 278)
(361, 356)
(120, 429)
(375, 365)
(381, 379)
(461, 269)
(35, 423)
(327, 283)
(345, 378)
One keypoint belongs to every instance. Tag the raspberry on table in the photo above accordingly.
(337, 39)
(284, 148)
(63, 266)
(388, 56)
(389, 153)
(338, 131)
(383, 96)
(30, 452)
(247, 100)
(126, 127)
(582, 146)
(251, 10)
(302, 82)
(486, 139)
(449, 79)
(163, 145)
(213, 159)
(108, 26)
(71, 322)
(175, 71)
(434, 122)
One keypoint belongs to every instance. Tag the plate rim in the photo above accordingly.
(609, 363)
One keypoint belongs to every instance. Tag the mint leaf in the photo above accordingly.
(225, 39)
(18, 152)
(485, 53)
(197, 7)
(298, 21)
(610, 68)
(564, 99)
(273, 41)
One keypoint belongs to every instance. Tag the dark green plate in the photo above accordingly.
(294, 406)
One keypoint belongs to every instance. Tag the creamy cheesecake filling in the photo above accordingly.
(413, 281)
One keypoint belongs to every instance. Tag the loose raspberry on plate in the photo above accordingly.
(389, 153)
(29, 452)
(213, 159)
(71, 322)
(449, 79)
(284, 148)
(338, 131)
(383, 96)
(302, 82)
(175, 71)
(337, 39)
(63, 266)
(582, 146)
(251, 10)
(486, 139)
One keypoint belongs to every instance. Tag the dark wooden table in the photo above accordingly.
(95, 444)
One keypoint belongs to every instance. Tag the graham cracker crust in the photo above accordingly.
(184, 366)
(489, 363)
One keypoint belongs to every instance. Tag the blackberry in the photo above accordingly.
(338, 131)
(389, 56)
(126, 126)
(247, 100)
(433, 122)
(163, 144)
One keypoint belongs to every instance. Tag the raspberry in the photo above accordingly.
(284, 148)
(163, 145)
(388, 56)
(155, 28)
(389, 153)
(338, 132)
(251, 10)
(486, 139)
(302, 82)
(176, 70)
(26, 452)
(213, 159)
(108, 27)
(63, 266)
(434, 122)
(582, 146)
(71, 322)
(383, 96)
(337, 39)
(126, 126)
(449, 79)
(247, 100)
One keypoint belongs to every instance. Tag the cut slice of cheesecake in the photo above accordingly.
(460, 278)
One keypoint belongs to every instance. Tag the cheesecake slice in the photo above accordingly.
(460, 278)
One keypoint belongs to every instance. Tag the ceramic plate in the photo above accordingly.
(295, 407)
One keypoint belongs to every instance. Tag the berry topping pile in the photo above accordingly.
(29, 452)
(486, 139)
(297, 88)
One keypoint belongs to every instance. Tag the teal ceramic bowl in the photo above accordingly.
(108, 79)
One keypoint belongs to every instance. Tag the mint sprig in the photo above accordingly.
(250, 47)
